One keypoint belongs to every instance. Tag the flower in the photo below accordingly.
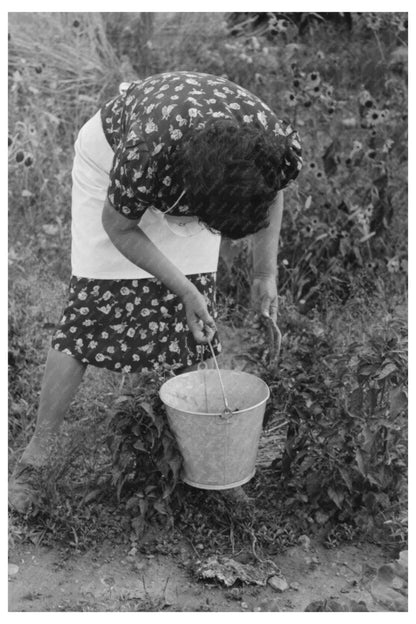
(174, 346)
(371, 154)
(313, 79)
(104, 309)
(150, 127)
(290, 98)
(99, 357)
(393, 265)
(307, 231)
(281, 25)
(373, 21)
(369, 210)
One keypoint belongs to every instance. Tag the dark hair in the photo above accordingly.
(231, 174)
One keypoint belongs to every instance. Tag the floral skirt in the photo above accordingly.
(130, 325)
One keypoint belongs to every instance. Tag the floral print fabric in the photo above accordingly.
(145, 122)
(131, 325)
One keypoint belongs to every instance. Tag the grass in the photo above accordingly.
(62, 66)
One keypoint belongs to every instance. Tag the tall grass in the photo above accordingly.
(61, 69)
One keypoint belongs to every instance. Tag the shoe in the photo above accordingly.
(24, 487)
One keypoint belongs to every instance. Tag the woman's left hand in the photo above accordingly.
(264, 296)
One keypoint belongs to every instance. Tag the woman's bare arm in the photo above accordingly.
(265, 248)
(136, 246)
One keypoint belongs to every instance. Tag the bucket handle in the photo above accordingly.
(227, 412)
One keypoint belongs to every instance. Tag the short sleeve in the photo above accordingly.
(131, 177)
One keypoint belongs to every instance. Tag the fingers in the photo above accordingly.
(202, 332)
(200, 322)
(268, 307)
(273, 312)
(202, 325)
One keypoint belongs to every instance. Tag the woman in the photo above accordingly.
(160, 172)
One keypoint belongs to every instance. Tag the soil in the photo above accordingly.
(109, 579)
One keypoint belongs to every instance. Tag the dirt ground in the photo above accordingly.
(110, 579)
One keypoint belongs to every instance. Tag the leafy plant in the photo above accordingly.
(345, 456)
(146, 460)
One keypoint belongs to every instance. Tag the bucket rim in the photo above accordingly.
(236, 412)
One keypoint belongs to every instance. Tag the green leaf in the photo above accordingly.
(360, 462)
(356, 400)
(160, 507)
(336, 497)
(143, 505)
(346, 478)
(386, 371)
(398, 401)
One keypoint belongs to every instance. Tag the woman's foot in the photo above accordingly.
(24, 487)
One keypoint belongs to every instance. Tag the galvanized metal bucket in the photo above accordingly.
(219, 448)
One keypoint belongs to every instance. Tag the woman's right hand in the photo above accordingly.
(200, 322)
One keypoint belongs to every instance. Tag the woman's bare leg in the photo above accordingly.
(62, 377)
